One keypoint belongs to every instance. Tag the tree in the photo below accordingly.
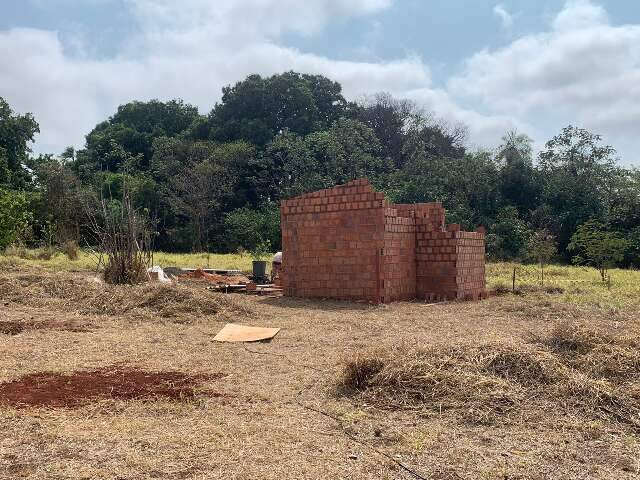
(519, 185)
(258, 108)
(198, 189)
(347, 150)
(131, 132)
(389, 119)
(596, 246)
(509, 235)
(61, 203)
(15, 216)
(632, 250)
(580, 176)
(16, 132)
(247, 228)
(542, 247)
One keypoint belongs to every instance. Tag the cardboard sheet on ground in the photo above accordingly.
(232, 332)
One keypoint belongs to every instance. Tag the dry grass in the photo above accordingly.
(540, 385)
(88, 295)
(580, 372)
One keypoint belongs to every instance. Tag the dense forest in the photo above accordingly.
(213, 182)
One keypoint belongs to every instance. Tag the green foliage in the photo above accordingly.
(16, 132)
(519, 182)
(542, 246)
(579, 175)
(509, 235)
(595, 246)
(258, 108)
(247, 228)
(632, 250)
(261, 251)
(15, 216)
(127, 137)
(215, 181)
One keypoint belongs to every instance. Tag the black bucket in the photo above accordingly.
(259, 270)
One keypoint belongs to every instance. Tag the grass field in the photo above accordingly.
(540, 383)
(89, 261)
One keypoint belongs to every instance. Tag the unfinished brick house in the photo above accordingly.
(348, 242)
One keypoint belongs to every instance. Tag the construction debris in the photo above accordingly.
(233, 332)
(218, 279)
(157, 274)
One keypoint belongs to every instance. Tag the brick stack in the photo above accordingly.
(470, 265)
(398, 281)
(347, 242)
(331, 241)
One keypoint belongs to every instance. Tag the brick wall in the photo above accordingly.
(398, 280)
(331, 240)
(347, 242)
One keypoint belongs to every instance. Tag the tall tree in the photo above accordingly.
(579, 174)
(16, 133)
(258, 108)
(198, 190)
(519, 185)
(131, 131)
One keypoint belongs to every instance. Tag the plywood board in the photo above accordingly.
(232, 332)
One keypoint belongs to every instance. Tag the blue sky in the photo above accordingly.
(491, 65)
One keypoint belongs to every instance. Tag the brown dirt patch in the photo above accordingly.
(49, 389)
(11, 327)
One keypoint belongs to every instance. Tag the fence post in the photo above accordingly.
(513, 280)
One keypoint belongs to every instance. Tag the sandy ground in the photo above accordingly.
(278, 415)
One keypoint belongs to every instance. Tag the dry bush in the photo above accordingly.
(490, 381)
(124, 236)
(618, 363)
(88, 296)
(571, 338)
(596, 353)
(44, 253)
(8, 264)
(522, 366)
(359, 372)
(71, 250)
(441, 378)
(504, 289)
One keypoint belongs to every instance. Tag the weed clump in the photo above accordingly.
(571, 370)
(71, 250)
(570, 338)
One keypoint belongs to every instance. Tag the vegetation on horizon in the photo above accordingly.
(213, 182)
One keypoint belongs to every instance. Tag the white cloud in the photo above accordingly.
(190, 50)
(579, 14)
(582, 70)
(505, 17)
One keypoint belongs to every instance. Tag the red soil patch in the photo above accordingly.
(13, 327)
(48, 389)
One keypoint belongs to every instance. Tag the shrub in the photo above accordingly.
(15, 216)
(124, 236)
(70, 249)
(246, 228)
(595, 246)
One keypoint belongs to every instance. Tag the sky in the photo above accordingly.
(534, 66)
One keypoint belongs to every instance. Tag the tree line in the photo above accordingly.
(213, 182)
